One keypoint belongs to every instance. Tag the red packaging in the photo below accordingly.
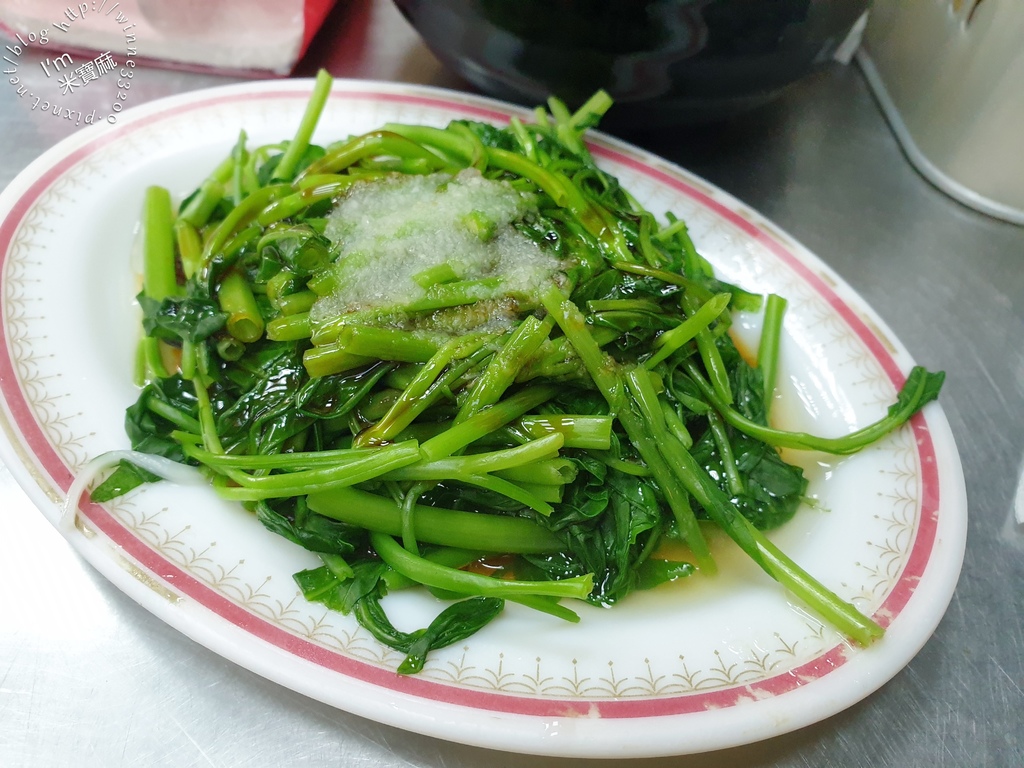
(249, 37)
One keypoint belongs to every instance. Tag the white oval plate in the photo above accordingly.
(706, 664)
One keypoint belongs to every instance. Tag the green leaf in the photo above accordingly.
(607, 544)
(922, 387)
(773, 489)
(148, 430)
(189, 319)
(335, 395)
(653, 573)
(456, 622)
(587, 496)
(261, 415)
(300, 248)
(265, 174)
(322, 585)
(126, 477)
(311, 531)
(490, 135)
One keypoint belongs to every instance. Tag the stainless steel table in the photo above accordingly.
(87, 678)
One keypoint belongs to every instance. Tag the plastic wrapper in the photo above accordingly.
(258, 37)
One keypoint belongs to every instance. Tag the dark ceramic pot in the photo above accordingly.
(663, 61)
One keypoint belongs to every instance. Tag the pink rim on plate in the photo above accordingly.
(715, 695)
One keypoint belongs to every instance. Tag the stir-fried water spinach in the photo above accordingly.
(465, 358)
